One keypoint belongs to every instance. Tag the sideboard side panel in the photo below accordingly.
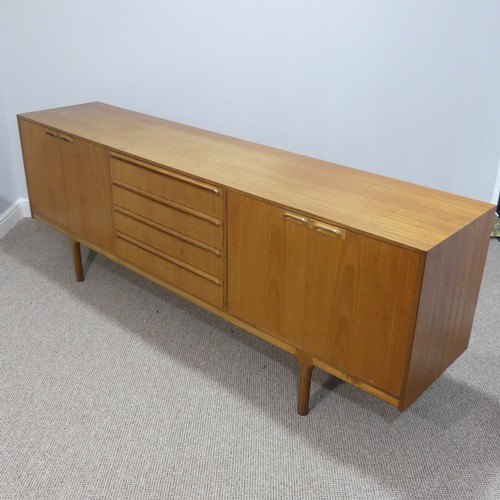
(448, 301)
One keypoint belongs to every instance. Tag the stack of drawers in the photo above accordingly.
(170, 226)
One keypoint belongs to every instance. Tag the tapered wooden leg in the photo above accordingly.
(304, 389)
(77, 260)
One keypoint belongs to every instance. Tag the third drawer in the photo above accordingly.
(205, 229)
(197, 254)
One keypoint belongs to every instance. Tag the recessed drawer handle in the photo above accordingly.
(169, 173)
(330, 230)
(298, 219)
(208, 188)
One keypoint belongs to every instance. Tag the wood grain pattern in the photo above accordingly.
(306, 366)
(206, 258)
(68, 181)
(449, 294)
(151, 262)
(371, 279)
(202, 197)
(385, 208)
(267, 258)
(88, 190)
(351, 303)
(360, 306)
(180, 221)
(44, 172)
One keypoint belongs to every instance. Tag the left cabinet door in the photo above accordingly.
(44, 172)
(68, 182)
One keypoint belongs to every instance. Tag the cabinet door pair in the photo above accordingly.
(68, 182)
(344, 298)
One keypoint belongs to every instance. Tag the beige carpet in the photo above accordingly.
(116, 389)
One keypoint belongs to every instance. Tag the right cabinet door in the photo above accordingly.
(346, 299)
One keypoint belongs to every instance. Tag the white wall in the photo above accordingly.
(406, 89)
(8, 189)
(496, 191)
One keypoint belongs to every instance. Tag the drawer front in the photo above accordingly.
(189, 192)
(203, 257)
(149, 261)
(193, 224)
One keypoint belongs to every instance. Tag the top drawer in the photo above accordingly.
(189, 192)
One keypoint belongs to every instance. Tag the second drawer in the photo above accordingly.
(193, 224)
(199, 255)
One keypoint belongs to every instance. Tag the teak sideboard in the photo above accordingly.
(371, 279)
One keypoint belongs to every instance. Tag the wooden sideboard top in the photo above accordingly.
(405, 214)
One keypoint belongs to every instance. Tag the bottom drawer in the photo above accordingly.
(198, 286)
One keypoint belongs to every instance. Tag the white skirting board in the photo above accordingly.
(10, 217)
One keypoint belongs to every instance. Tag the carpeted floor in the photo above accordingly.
(116, 389)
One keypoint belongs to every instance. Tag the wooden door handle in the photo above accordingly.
(298, 219)
(66, 138)
(320, 227)
(57, 135)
